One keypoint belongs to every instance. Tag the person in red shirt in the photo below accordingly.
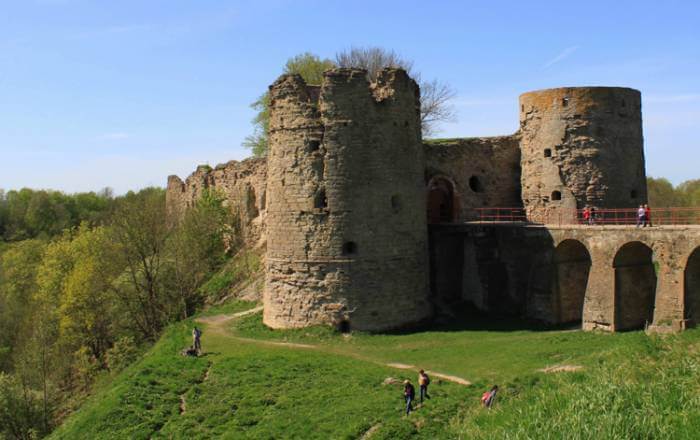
(647, 215)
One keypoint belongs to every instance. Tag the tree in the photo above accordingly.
(435, 95)
(197, 248)
(311, 68)
(139, 231)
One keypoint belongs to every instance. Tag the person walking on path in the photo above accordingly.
(197, 340)
(641, 216)
(647, 215)
(409, 393)
(423, 382)
(489, 396)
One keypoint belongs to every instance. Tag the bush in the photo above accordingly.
(123, 353)
(20, 410)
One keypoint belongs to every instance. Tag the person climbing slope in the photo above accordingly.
(489, 396)
(423, 382)
(197, 340)
(409, 393)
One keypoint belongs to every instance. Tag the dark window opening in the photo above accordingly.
(633, 194)
(556, 195)
(475, 184)
(405, 123)
(314, 146)
(565, 102)
(547, 152)
(344, 326)
(320, 200)
(441, 203)
(395, 203)
(522, 108)
(623, 104)
(349, 248)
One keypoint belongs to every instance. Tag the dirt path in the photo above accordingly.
(216, 324)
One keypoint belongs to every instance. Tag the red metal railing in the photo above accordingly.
(560, 216)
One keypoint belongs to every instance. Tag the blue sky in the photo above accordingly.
(122, 94)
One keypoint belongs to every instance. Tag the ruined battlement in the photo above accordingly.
(242, 183)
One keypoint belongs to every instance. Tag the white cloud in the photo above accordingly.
(688, 97)
(113, 136)
(566, 53)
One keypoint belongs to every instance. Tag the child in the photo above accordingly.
(488, 397)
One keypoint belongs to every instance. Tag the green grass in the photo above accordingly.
(477, 355)
(229, 307)
(632, 385)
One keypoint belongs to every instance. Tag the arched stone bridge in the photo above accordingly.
(606, 277)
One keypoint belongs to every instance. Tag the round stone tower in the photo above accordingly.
(346, 225)
(581, 146)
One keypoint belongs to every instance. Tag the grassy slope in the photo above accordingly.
(633, 386)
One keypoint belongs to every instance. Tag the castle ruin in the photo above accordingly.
(369, 227)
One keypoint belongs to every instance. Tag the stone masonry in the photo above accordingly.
(582, 146)
(367, 227)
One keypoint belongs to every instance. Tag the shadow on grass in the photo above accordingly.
(465, 317)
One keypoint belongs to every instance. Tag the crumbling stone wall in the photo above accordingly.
(485, 172)
(347, 235)
(582, 146)
(243, 183)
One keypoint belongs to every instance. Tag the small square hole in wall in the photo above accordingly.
(320, 199)
(633, 194)
(314, 146)
(547, 152)
(349, 248)
(556, 195)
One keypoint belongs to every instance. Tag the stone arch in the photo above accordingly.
(635, 286)
(571, 267)
(442, 206)
(691, 289)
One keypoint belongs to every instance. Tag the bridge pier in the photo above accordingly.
(599, 304)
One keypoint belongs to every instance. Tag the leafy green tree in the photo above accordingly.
(19, 265)
(197, 248)
(140, 232)
(311, 68)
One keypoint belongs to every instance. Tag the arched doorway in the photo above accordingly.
(441, 204)
(635, 286)
(691, 293)
(572, 264)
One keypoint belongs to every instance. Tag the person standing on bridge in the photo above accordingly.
(647, 215)
(586, 215)
(641, 216)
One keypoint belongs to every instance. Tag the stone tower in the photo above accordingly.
(347, 234)
(581, 146)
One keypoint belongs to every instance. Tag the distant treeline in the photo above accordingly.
(29, 213)
(662, 193)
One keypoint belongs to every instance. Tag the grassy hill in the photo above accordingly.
(315, 383)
